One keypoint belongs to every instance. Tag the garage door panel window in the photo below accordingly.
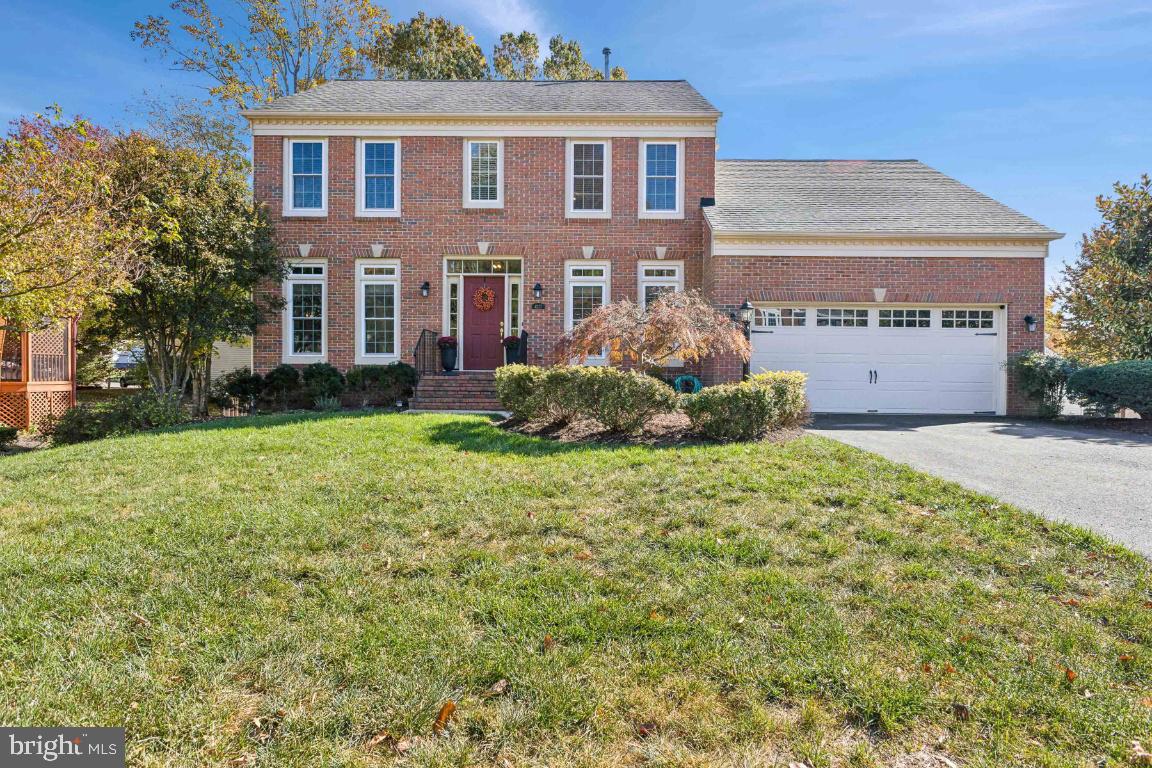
(842, 318)
(775, 317)
(905, 318)
(967, 319)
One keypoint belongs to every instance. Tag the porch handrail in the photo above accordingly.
(426, 355)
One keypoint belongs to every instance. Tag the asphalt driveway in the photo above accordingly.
(1100, 479)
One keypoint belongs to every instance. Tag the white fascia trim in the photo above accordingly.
(286, 355)
(898, 250)
(361, 165)
(362, 357)
(569, 166)
(642, 174)
(286, 179)
(467, 174)
(483, 130)
(267, 114)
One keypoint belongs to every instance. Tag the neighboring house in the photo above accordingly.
(411, 209)
(37, 373)
(229, 356)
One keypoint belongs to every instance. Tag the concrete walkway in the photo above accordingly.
(1100, 479)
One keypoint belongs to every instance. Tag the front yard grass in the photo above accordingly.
(310, 590)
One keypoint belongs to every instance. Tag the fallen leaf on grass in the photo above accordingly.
(549, 642)
(585, 555)
(497, 688)
(646, 729)
(1146, 702)
(949, 669)
(926, 668)
(1127, 658)
(654, 615)
(961, 711)
(443, 717)
(1070, 674)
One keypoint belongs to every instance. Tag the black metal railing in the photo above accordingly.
(522, 351)
(426, 355)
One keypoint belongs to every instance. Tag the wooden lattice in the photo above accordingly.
(53, 341)
(13, 409)
(46, 404)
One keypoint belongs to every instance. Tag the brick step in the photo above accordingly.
(468, 391)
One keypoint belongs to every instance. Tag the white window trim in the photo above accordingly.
(287, 178)
(642, 176)
(570, 281)
(362, 356)
(467, 156)
(676, 283)
(569, 180)
(362, 165)
(287, 356)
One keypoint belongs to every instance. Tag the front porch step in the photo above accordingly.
(462, 391)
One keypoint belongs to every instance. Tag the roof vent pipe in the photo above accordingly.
(607, 72)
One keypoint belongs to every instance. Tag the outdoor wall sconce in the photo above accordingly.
(1030, 323)
(424, 288)
(747, 315)
(537, 291)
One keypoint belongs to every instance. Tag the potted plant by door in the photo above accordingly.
(447, 346)
(511, 349)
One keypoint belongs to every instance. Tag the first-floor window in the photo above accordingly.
(587, 290)
(379, 309)
(658, 279)
(305, 310)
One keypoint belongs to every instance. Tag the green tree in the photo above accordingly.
(514, 58)
(1106, 294)
(62, 247)
(271, 48)
(211, 247)
(94, 348)
(566, 62)
(429, 48)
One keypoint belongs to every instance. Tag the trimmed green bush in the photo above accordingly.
(241, 386)
(622, 400)
(8, 436)
(750, 409)
(122, 416)
(323, 380)
(381, 384)
(558, 398)
(1127, 384)
(1043, 378)
(516, 386)
(282, 384)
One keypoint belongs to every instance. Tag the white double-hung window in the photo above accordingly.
(658, 277)
(587, 287)
(305, 305)
(483, 173)
(661, 180)
(378, 177)
(588, 179)
(305, 177)
(377, 311)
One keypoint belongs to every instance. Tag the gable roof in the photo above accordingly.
(857, 197)
(494, 97)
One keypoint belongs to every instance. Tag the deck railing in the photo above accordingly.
(49, 367)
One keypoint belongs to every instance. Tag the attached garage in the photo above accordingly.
(873, 359)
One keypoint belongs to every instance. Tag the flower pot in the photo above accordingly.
(511, 354)
(448, 358)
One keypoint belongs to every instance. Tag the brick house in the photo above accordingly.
(412, 209)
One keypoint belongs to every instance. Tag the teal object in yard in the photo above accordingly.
(687, 383)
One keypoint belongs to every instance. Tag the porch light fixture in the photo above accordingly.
(1030, 323)
(537, 291)
(424, 288)
(747, 315)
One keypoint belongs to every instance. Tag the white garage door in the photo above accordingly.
(886, 360)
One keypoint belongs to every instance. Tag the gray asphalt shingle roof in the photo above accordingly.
(478, 97)
(856, 197)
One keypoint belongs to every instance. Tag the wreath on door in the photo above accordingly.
(484, 298)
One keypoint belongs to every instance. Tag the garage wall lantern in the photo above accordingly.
(424, 288)
(537, 291)
(747, 315)
(1030, 323)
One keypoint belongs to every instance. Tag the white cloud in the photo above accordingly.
(499, 16)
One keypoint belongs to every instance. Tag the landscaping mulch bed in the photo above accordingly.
(1131, 426)
(667, 430)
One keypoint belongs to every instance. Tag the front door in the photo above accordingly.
(482, 333)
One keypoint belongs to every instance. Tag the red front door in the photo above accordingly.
(483, 302)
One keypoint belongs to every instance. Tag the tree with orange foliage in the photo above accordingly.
(681, 325)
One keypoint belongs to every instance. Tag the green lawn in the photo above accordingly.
(276, 591)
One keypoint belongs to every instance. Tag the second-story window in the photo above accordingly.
(589, 181)
(484, 174)
(378, 177)
(661, 180)
(305, 177)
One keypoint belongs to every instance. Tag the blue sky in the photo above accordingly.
(1042, 104)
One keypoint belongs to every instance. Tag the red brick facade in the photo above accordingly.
(532, 226)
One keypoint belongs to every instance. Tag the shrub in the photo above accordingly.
(240, 385)
(746, 411)
(122, 416)
(1043, 378)
(515, 386)
(327, 403)
(382, 384)
(323, 380)
(622, 400)
(558, 398)
(8, 436)
(282, 384)
(1127, 384)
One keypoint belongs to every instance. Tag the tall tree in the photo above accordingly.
(515, 57)
(280, 47)
(1106, 295)
(566, 62)
(211, 247)
(429, 48)
(61, 246)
